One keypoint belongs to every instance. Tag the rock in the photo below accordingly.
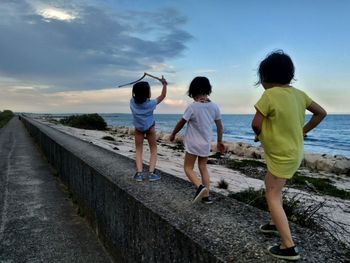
(327, 163)
(131, 131)
(310, 161)
(342, 166)
(315, 162)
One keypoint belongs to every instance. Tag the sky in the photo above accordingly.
(60, 56)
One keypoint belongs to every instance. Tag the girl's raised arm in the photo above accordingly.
(164, 90)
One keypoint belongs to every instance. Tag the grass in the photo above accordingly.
(252, 197)
(5, 117)
(239, 164)
(296, 212)
(177, 147)
(216, 155)
(321, 185)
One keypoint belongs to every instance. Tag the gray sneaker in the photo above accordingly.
(138, 176)
(154, 176)
(290, 253)
(268, 228)
(207, 200)
(201, 190)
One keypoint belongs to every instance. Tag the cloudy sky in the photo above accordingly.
(60, 56)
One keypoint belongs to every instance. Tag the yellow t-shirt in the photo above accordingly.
(282, 128)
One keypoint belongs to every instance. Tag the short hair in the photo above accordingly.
(277, 67)
(141, 91)
(199, 86)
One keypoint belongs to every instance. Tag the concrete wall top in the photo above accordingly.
(227, 228)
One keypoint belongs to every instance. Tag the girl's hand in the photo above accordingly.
(163, 81)
(172, 137)
(161, 97)
(220, 147)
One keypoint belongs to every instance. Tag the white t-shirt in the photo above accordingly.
(200, 117)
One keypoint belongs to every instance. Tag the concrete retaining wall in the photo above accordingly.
(131, 231)
(155, 221)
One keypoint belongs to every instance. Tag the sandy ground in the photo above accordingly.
(171, 161)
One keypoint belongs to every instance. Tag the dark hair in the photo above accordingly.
(277, 67)
(199, 86)
(141, 91)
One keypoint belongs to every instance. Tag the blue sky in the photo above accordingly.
(70, 56)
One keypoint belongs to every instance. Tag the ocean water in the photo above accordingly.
(332, 136)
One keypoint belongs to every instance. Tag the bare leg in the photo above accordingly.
(139, 147)
(152, 142)
(190, 159)
(271, 221)
(202, 165)
(274, 186)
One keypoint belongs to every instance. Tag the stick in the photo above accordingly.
(153, 76)
(144, 75)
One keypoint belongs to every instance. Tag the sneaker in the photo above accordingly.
(290, 253)
(207, 200)
(138, 176)
(199, 193)
(154, 176)
(268, 228)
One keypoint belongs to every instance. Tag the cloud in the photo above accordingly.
(30, 99)
(54, 13)
(80, 46)
(175, 103)
(205, 71)
(21, 97)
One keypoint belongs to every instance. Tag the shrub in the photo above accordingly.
(85, 121)
(5, 116)
(222, 184)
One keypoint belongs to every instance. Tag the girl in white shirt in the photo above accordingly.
(199, 116)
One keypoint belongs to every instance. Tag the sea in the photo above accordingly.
(331, 137)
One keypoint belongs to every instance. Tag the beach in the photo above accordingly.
(170, 160)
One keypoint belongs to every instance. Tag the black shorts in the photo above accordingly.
(146, 131)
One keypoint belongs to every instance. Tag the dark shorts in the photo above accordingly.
(146, 131)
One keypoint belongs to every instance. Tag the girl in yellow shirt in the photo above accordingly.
(279, 125)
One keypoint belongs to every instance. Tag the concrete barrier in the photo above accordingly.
(131, 231)
(155, 221)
